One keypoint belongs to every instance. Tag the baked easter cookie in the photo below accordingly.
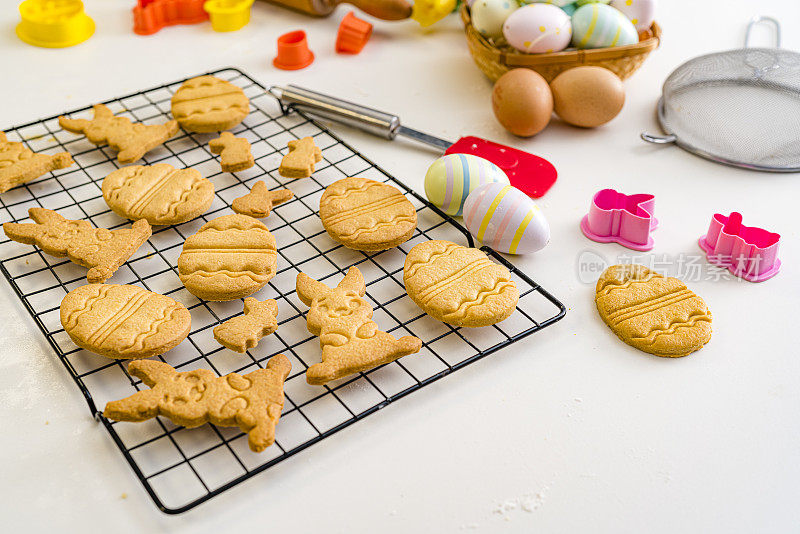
(350, 340)
(123, 321)
(99, 249)
(259, 201)
(131, 140)
(458, 285)
(208, 104)
(300, 160)
(19, 164)
(244, 331)
(230, 257)
(253, 402)
(366, 215)
(651, 312)
(160, 193)
(234, 152)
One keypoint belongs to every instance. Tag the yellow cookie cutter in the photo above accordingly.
(54, 23)
(228, 15)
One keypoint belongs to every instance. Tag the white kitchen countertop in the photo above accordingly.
(569, 431)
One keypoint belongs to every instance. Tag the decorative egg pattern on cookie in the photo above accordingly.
(123, 321)
(367, 215)
(601, 26)
(651, 312)
(458, 285)
(208, 104)
(451, 178)
(506, 219)
(159, 193)
(230, 257)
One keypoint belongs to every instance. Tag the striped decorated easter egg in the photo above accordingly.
(506, 219)
(601, 26)
(451, 178)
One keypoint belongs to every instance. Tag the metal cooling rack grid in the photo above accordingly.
(180, 468)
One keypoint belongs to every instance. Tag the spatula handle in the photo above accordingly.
(367, 119)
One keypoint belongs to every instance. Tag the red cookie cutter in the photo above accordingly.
(293, 51)
(746, 251)
(149, 16)
(620, 218)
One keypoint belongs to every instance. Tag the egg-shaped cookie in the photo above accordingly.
(458, 285)
(159, 193)
(654, 313)
(367, 215)
(123, 321)
(208, 104)
(230, 257)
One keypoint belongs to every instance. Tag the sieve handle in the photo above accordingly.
(658, 139)
(759, 19)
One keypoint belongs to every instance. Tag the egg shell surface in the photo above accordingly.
(451, 178)
(559, 3)
(601, 26)
(522, 102)
(587, 96)
(641, 13)
(506, 219)
(488, 16)
(538, 28)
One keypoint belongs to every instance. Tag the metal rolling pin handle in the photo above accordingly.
(370, 120)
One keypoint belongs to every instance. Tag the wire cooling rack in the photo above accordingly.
(181, 468)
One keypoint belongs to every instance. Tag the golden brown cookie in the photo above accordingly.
(458, 285)
(259, 201)
(230, 257)
(19, 165)
(299, 161)
(234, 152)
(207, 104)
(252, 402)
(367, 215)
(122, 321)
(244, 331)
(350, 340)
(160, 193)
(652, 312)
(103, 251)
(131, 140)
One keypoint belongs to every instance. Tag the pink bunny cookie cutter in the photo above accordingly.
(746, 251)
(620, 218)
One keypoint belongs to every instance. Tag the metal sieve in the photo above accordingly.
(739, 108)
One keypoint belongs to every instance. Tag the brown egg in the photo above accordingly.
(522, 102)
(587, 96)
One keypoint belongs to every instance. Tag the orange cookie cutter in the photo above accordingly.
(54, 23)
(353, 34)
(293, 51)
(149, 16)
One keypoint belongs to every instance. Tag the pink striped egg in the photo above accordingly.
(506, 219)
(451, 178)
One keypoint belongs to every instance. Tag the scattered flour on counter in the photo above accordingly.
(528, 502)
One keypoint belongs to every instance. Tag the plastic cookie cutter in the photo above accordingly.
(54, 23)
(353, 34)
(149, 16)
(620, 218)
(293, 51)
(228, 15)
(746, 251)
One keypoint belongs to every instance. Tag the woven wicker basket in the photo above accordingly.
(495, 61)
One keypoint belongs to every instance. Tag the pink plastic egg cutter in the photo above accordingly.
(746, 251)
(615, 217)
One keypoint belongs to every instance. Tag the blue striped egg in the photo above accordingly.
(506, 219)
(451, 178)
(601, 26)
